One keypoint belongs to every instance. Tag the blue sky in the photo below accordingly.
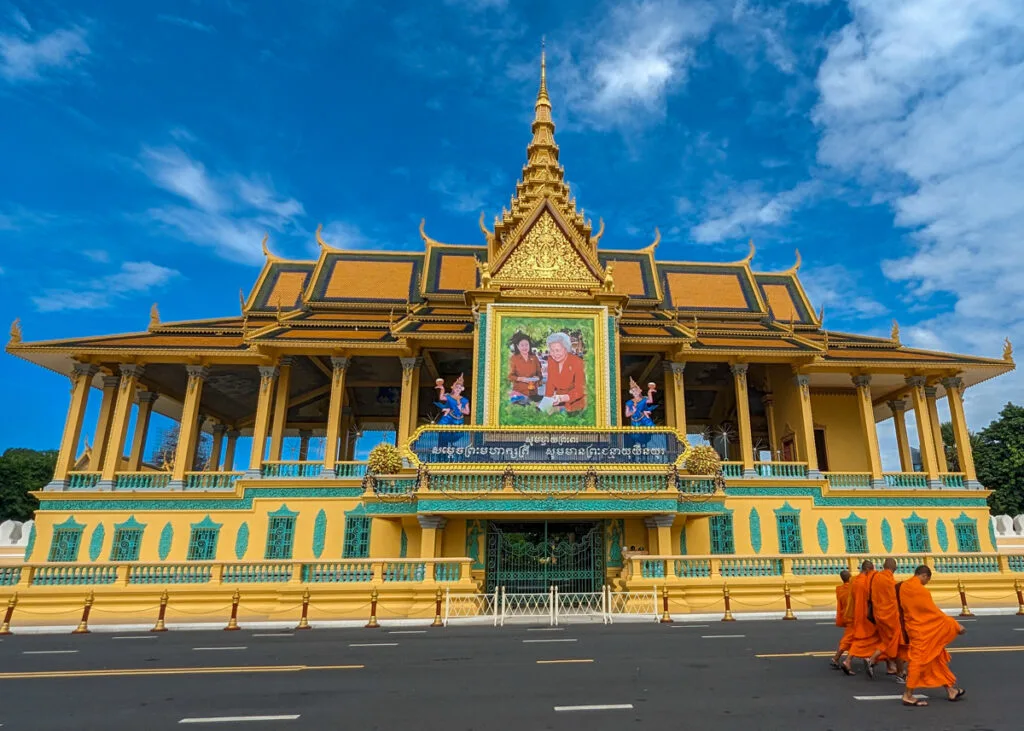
(146, 147)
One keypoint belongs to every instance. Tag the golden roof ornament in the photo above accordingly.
(485, 272)
(266, 249)
(154, 316)
(750, 254)
(15, 332)
(1007, 350)
(894, 334)
(609, 280)
(324, 246)
(600, 232)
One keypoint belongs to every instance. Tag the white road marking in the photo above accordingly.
(201, 649)
(720, 637)
(1018, 629)
(49, 652)
(374, 644)
(408, 632)
(546, 629)
(274, 634)
(826, 624)
(135, 637)
(238, 719)
(884, 697)
(559, 640)
(691, 626)
(610, 707)
(967, 620)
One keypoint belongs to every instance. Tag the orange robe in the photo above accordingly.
(568, 379)
(865, 634)
(887, 613)
(930, 630)
(842, 600)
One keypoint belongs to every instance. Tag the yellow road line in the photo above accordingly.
(557, 662)
(174, 671)
(953, 650)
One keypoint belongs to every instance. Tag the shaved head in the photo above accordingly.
(845, 576)
(867, 566)
(923, 574)
(890, 564)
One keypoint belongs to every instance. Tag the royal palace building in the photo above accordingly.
(544, 388)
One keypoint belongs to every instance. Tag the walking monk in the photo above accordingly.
(887, 618)
(929, 630)
(842, 599)
(865, 634)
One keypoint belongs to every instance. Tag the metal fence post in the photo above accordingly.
(447, 604)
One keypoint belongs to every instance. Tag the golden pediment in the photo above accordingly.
(544, 254)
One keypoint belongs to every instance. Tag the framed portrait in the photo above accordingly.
(547, 365)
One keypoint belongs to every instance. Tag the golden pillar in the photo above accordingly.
(899, 418)
(931, 394)
(739, 376)
(81, 384)
(268, 374)
(431, 526)
(954, 394)
(130, 375)
(284, 377)
(229, 451)
(410, 399)
(659, 534)
(805, 432)
(675, 395)
(146, 399)
(218, 447)
(769, 414)
(102, 436)
(189, 425)
(929, 463)
(335, 431)
(867, 425)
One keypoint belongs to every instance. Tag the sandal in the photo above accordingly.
(834, 665)
(847, 670)
(917, 702)
(960, 693)
(870, 670)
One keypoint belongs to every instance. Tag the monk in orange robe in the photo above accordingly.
(865, 634)
(929, 630)
(842, 599)
(887, 618)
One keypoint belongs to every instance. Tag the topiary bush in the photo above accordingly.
(384, 459)
(703, 460)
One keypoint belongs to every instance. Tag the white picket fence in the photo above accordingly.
(552, 607)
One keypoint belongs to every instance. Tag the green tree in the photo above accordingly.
(23, 470)
(949, 446)
(999, 459)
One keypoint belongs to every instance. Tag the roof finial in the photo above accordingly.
(543, 68)
(154, 316)
(894, 334)
(1007, 350)
(16, 332)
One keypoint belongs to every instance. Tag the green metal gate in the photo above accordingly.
(527, 558)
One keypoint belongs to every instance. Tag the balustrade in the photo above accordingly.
(142, 480)
(293, 469)
(83, 480)
(349, 470)
(905, 479)
(848, 479)
(257, 573)
(10, 575)
(212, 480)
(176, 573)
(797, 470)
(732, 469)
(952, 479)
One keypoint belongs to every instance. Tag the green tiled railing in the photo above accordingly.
(337, 572)
(257, 573)
(825, 566)
(448, 571)
(967, 564)
(178, 573)
(796, 470)
(294, 470)
(692, 568)
(652, 568)
(211, 480)
(906, 479)
(1015, 564)
(732, 469)
(465, 482)
(550, 483)
(404, 571)
(848, 479)
(739, 567)
(952, 479)
(394, 485)
(73, 575)
(632, 482)
(83, 480)
(10, 575)
(695, 485)
(345, 470)
(142, 480)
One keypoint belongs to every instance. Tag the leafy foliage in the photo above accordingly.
(384, 459)
(999, 460)
(949, 446)
(23, 470)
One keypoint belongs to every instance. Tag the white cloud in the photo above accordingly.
(458, 193)
(923, 101)
(839, 290)
(229, 212)
(133, 278)
(744, 209)
(345, 235)
(185, 23)
(26, 57)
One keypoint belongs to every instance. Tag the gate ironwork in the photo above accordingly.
(530, 558)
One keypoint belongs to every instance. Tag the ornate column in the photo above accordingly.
(304, 435)
(146, 399)
(899, 418)
(924, 430)
(229, 452)
(430, 525)
(675, 395)
(769, 414)
(81, 384)
(660, 527)
(268, 375)
(739, 375)
(284, 377)
(931, 394)
(130, 375)
(805, 432)
(867, 425)
(102, 436)
(340, 366)
(189, 425)
(410, 399)
(954, 394)
(218, 446)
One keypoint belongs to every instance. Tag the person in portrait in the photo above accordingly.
(454, 406)
(566, 381)
(524, 371)
(639, 408)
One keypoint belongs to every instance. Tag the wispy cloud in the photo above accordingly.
(185, 23)
(229, 212)
(133, 278)
(841, 292)
(745, 209)
(26, 56)
(922, 100)
(345, 235)
(458, 193)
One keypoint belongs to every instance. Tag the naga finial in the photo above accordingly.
(596, 238)
(894, 334)
(1007, 350)
(154, 315)
(320, 237)
(266, 249)
(750, 254)
(821, 314)
(241, 300)
(15, 332)
(488, 235)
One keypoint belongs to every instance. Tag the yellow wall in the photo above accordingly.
(844, 438)
(787, 405)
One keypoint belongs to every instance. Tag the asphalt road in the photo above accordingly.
(682, 676)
